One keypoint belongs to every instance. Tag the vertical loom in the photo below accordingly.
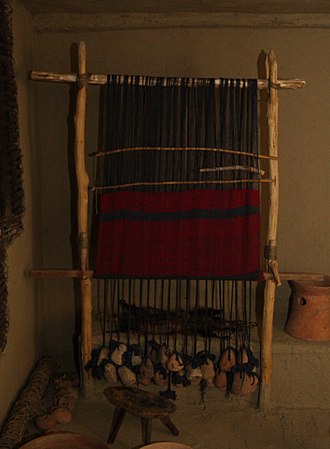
(85, 275)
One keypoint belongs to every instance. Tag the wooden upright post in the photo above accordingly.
(82, 211)
(270, 249)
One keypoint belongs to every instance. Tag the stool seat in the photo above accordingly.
(140, 403)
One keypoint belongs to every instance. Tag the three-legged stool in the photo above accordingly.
(140, 403)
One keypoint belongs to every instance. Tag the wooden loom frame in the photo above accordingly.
(272, 277)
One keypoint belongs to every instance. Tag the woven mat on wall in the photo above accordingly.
(11, 186)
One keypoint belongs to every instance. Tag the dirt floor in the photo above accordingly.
(219, 423)
(299, 417)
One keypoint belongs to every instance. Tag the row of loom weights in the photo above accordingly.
(235, 371)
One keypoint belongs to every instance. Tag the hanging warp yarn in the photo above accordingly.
(178, 236)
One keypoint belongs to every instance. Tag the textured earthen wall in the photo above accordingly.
(303, 128)
(47, 135)
(23, 343)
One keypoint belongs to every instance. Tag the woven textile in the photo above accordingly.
(191, 234)
(173, 204)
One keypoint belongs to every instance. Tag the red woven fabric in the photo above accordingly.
(191, 234)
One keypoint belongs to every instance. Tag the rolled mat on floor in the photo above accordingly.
(27, 404)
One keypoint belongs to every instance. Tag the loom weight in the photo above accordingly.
(244, 383)
(146, 372)
(220, 380)
(242, 356)
(175, 363)
(208, 372)
(227, 359)
(126, 376)
(160, 379)
(163, 355)
(194, 375)
(110, 373)
(117, 355)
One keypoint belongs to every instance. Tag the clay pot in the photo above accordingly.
(62, 415)
(244, 383)
(309, 310)
(64, 440)
(227, 360)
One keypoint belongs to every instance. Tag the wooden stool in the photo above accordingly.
(143, 404)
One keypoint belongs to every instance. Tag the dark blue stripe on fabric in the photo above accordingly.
(253, 276)
(125, 214)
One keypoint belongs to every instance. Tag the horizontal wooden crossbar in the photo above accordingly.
(103, 79)
(77, 274)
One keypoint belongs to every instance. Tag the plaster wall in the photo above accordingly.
(23, 342)
(303, 240)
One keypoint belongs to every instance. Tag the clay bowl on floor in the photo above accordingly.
(166, 445)
(67, 440)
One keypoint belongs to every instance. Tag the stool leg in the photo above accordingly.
(166, 420)
(146, 430)
(118, 416)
